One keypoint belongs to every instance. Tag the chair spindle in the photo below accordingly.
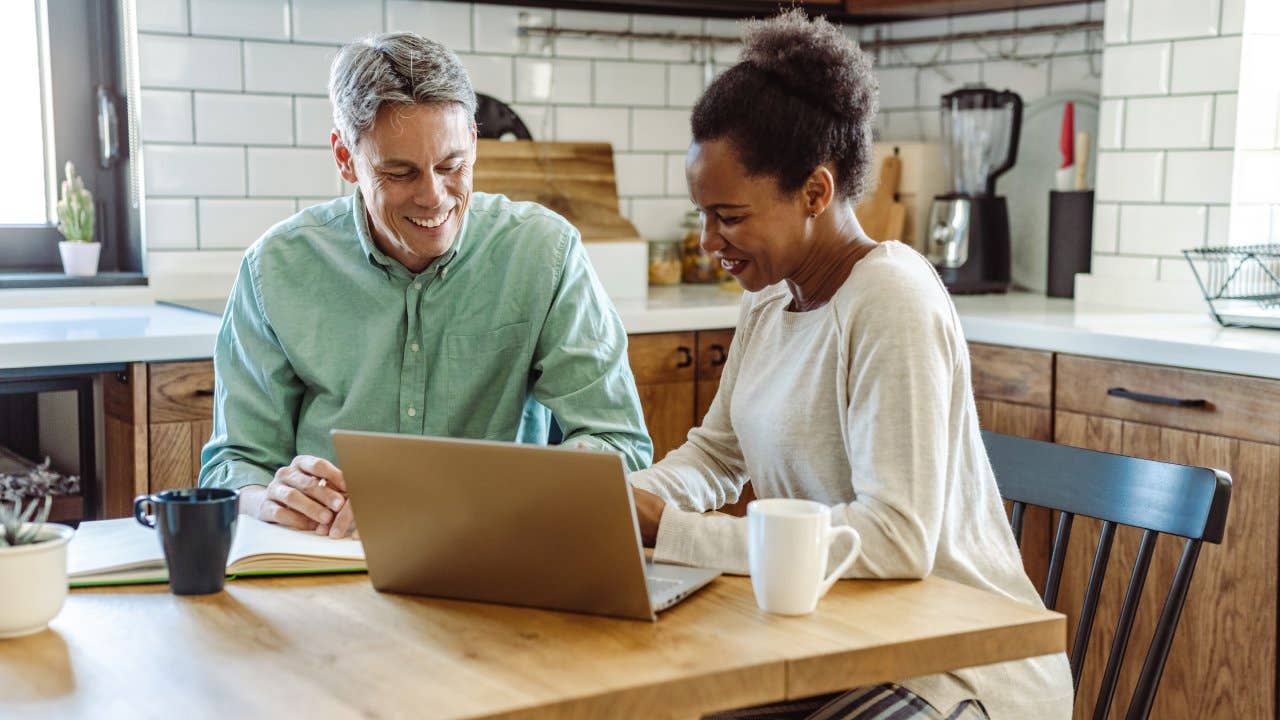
(1106, 693)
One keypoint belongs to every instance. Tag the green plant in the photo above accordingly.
(75, 208)
(13, 518)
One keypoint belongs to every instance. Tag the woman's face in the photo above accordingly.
(413, 168)
(757, 231)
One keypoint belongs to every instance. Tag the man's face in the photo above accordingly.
(414, 172)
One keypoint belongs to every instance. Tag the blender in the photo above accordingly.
(968, 236)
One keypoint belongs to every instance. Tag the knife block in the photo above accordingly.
(1070, 239)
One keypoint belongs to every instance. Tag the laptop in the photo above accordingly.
(545, 527)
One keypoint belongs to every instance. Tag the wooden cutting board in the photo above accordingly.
(881, 216)
(574, 179)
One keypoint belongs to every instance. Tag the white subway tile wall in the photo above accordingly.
(171, 224)
(335, 21)
(1206, 65)
(259, 19)
(226, 118)
(235, 224)
(1188, 152)
(1166, 19)
(236, 121)
(168, 114)
(1168, 122)
(167, 16)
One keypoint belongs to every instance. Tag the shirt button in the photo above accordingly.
(414, 347)
(444, 272)
(412, 412)
(417, 286)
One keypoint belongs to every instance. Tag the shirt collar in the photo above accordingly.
(379, 259)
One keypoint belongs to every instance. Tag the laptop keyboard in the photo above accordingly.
(659, 585)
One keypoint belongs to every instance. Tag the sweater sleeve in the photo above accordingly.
(900, 343)
(707, 471)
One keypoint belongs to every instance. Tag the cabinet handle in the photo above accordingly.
(204, 392)
(686, 356)
(718, 355)
(1157, 399)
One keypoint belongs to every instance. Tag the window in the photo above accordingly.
(65, 73)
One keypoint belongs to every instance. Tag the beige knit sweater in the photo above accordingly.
(866, 405)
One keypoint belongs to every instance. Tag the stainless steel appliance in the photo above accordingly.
(968, 235)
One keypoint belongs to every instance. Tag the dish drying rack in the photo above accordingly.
(1241, 283)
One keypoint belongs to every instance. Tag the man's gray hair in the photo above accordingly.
(398, 67)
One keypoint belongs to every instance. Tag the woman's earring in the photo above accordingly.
(813, 216)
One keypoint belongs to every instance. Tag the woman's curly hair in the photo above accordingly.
(801, 95)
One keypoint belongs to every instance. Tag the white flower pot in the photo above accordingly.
(34, 578)
(79, 258)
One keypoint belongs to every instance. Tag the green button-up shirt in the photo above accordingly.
(323, 330)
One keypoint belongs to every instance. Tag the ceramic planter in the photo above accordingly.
(35, 581)
(79, 258)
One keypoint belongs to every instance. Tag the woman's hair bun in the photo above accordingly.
(812, 59)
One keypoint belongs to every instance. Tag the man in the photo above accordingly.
(411, 306)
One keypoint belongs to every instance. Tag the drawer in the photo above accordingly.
(1012, 374)
(713, 350)
(1234, 405)
(180, 391)
(662, 357)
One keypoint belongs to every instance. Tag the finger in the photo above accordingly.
(344, 523)
(321, 468)
(298, 501)
(312, 487)
(273, 512)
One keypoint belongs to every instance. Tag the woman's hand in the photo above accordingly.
(649, 509)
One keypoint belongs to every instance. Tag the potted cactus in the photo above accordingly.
(33, 554)
(75, 222)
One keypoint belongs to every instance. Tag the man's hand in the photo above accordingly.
(649, 509)
(307, 494)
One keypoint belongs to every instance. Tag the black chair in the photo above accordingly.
(1156, 497)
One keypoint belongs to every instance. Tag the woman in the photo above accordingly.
(848, 380)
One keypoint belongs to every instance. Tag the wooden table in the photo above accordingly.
(332, 647)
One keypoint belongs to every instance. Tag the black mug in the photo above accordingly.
(196, 527)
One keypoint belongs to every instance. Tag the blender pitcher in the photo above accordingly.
(968, 236)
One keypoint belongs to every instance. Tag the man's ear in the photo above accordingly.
(343, 156)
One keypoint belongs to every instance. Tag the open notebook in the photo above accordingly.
(123, 552)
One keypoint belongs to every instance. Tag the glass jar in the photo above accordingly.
(699, 266)
(664, 262)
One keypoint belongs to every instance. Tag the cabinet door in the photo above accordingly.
(180, 414)
(664, 368)
(668, 412)
(713, 351)
(1222, 663)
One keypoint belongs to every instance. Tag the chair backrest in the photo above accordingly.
(1157, 497)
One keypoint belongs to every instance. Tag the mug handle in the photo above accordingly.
(834, 575)
(144, 510)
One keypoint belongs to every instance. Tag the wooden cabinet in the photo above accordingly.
(158, 417)
(1223, 659)
(677, 375)
(1013, 391)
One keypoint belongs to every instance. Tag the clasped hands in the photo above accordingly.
(307, 494)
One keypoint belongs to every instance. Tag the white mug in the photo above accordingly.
(788, 541)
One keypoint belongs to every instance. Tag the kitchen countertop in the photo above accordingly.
(85, 335)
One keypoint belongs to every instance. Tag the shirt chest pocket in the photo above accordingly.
(488, 379)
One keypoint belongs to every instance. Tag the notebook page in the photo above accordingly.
(256, 539)
(106, 545)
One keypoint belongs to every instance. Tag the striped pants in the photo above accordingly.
(875, 702)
